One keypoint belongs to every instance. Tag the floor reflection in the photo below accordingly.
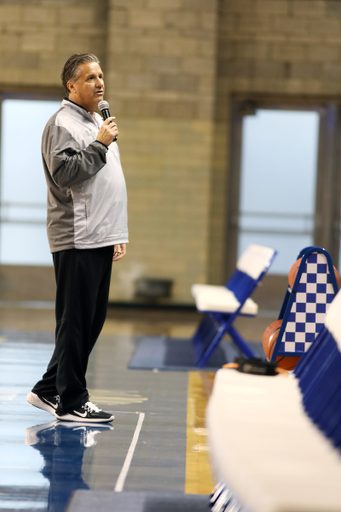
(62, 446)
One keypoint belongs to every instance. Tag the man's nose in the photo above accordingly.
(99, 82)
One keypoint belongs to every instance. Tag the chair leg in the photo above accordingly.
(240, 342)
(201, 363)
(206, 332)
(208, 335)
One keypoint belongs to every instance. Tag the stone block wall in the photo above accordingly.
(161, 86)
(281, 46)
(37, 36)
(171, 69)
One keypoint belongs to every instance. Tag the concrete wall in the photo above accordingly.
(280, 46)
(171, 68)
(37, 36)
(161, 85)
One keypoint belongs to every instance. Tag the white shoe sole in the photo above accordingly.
(79, 419)
(31, 437)
(34, 399)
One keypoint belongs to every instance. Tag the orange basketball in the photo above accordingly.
(293, 272)
(269, 340)
(294, 269)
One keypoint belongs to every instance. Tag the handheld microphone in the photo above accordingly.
(104, 108)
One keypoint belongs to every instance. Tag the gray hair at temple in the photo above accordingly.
(71, 72)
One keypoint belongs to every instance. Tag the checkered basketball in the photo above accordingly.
(269, 341)
(294, 270)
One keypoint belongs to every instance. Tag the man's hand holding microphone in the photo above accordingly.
(108, 131)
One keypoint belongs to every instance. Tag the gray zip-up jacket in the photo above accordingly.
(87, 196)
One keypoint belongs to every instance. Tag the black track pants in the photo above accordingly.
(83, 280)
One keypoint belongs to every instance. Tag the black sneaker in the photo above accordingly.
(46, 403)
(86, 413)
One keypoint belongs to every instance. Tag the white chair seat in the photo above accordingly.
(220, 299)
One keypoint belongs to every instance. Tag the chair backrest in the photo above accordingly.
(305, 306)
(256, 260)
(251, 268)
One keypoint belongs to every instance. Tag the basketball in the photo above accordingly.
(269, 340)
(294, 269)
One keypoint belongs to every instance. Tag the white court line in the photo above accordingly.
(125, 468)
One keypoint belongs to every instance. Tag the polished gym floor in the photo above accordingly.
(157, 443)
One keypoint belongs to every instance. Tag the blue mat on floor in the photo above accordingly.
(175, 354)
(105, 501)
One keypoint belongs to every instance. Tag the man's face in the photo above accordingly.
(88, 89)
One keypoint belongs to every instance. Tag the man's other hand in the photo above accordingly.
(119, 252)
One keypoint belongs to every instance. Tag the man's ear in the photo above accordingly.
(70, 86)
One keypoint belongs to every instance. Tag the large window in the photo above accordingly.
(23, 239)
(278, 182)
(285, 178)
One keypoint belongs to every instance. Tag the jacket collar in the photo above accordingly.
(68, 103)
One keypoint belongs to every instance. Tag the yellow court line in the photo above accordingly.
(198, 472)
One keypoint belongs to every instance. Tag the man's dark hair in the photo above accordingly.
(71, 72)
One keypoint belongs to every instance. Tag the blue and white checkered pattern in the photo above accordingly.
(307, 315)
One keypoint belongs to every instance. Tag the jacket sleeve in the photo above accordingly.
(67, 163)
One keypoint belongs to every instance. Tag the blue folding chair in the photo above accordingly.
(223, 304)
(305, 305)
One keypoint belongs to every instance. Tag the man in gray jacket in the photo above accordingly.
(87, 230)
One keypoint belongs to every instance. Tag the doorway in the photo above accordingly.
(284, 181)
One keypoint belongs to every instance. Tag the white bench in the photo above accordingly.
(267, 450)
